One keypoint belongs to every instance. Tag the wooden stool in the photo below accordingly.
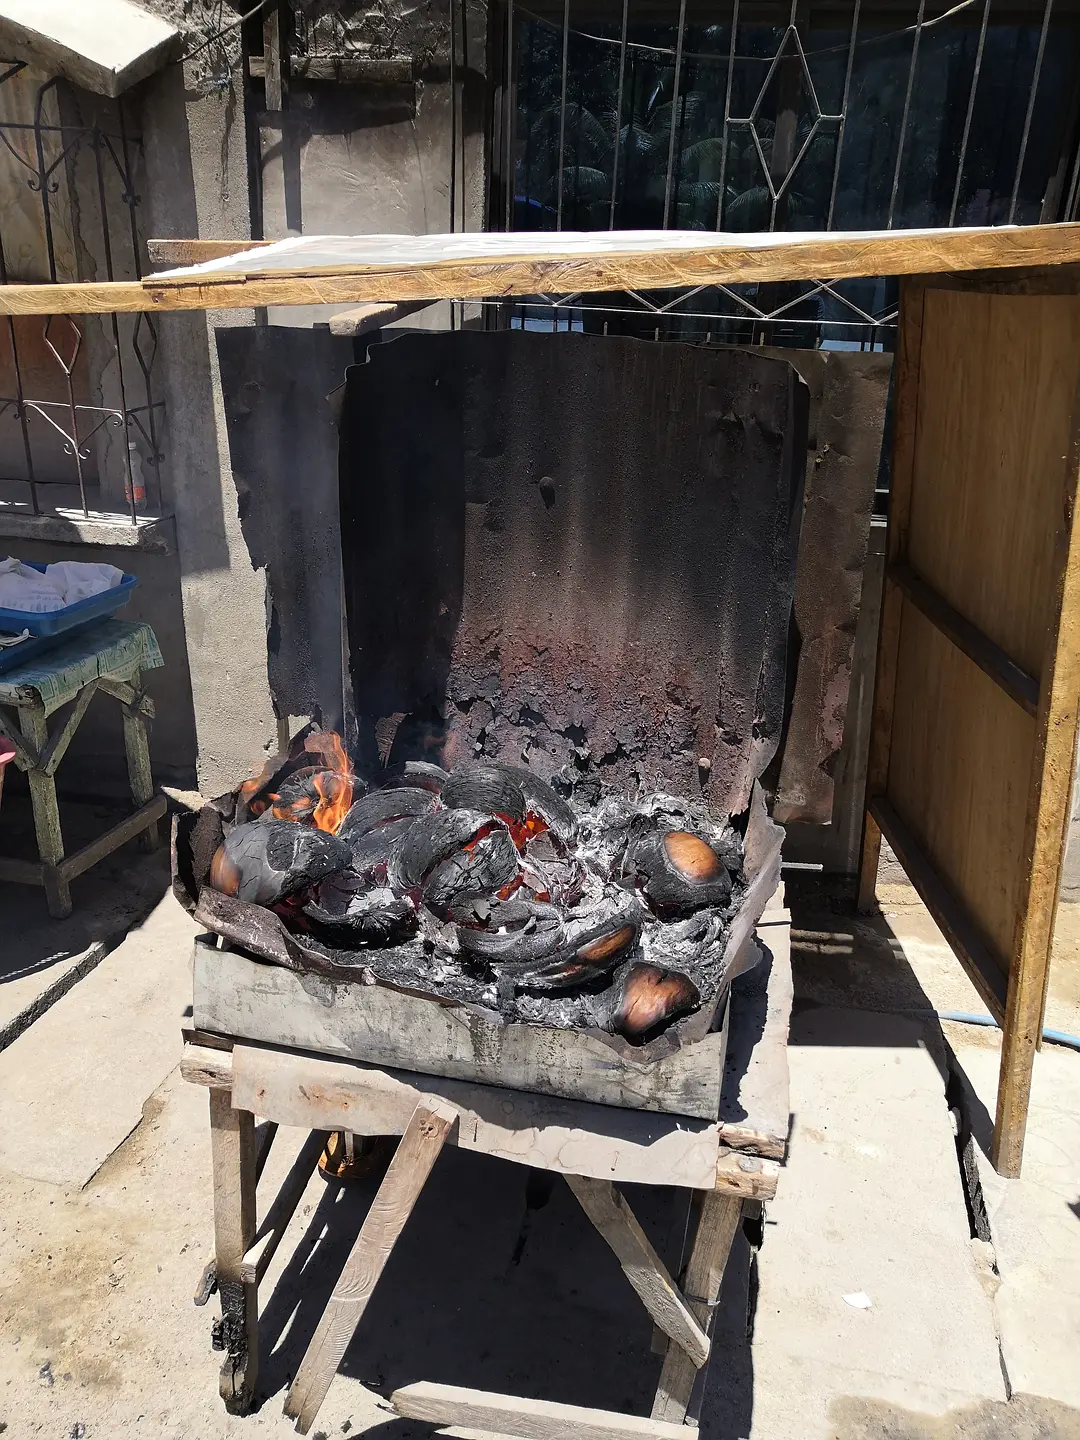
(729, 1164)
(108, 658)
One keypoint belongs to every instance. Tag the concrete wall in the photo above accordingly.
(196, 184)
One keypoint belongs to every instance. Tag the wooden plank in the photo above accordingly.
(971, 948)
(22, 872)
(271, 66)
(751, 1177)
(272, 1230)
(1046, 829)
(173, 253)
(120, 833)
(237, 996)
(232, 1143)
(755, 1097)
(200, 1065)
(717, 1224)
(531, 1419)
(905, 428)
(50, 839)
(137, 753)
(127, 695)
(606, 1207)
(515, 264)
(997, 390)
(362, 319)
(990, 658)
(347, 69)
(959, 775)
(58, 744)
(424, 1138)
(546, 1133)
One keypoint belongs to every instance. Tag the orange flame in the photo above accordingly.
(334, 784)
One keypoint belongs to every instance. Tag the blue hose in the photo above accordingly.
(963, 1017)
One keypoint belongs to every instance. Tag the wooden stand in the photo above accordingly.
(39, 754)
(732, 1162)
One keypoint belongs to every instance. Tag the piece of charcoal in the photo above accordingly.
(485, 867)
(377, 847)
(647, 997)
(517, 931)
(490, 788)
(383, 806)
(542, 799)
(679, 871)
(432, 839)
(350, 916)
(593, 951)
(266, 861)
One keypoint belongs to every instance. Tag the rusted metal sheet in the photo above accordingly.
(848, 395)
(574, 552)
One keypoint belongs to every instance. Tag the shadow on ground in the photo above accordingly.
(109, 899)
(500, 1283)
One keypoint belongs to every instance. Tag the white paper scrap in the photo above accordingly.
(860, 1300)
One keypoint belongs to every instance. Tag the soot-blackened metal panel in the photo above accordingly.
(573, 551)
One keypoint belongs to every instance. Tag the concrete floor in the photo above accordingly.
(499, 1280)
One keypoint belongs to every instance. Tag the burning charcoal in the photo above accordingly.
(484, 787)
(541, 798)
(351, 915)
(424, 776)
(648, 996)
(549, 874)
(594, 950)
(432, 839)
(305, 793)
(680, 871)
(518, 931)
(484, 867)
(266, 861)
(378, 847)
(383, 806)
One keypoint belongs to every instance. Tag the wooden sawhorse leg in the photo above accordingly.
(137, 749)
(719, 1220)
(425, 1135)
(50, 840)
(232, 1141)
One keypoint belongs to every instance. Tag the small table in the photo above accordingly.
(109, 657)
(730, 1165)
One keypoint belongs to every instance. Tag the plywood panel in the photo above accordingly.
(996, 395)
(959, 775)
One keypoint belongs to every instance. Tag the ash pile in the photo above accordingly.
(482, 886)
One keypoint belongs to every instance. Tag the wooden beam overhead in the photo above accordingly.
(501, 265)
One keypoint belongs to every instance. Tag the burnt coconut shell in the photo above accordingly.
(485, 868)
(649, 996)
(491, 788)
(265, 861)
(679, 871)
(383, 806)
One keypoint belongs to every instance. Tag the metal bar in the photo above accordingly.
(618, 112)
(674, 112)
(562, 112)
(453, 126)
(1030, 110)
(727, 115)
(43, 178)
(970, 111)
(843, 115)
(907, 109)
(508, 113)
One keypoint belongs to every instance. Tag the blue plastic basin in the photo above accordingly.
(54, 622)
